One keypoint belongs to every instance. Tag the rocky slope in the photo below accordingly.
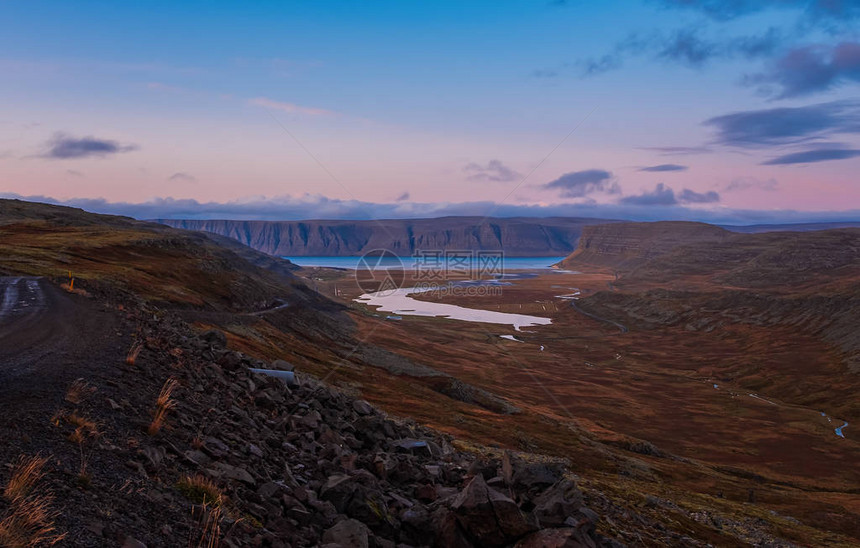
(518, 237)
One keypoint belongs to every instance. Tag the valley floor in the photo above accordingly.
(740, 417)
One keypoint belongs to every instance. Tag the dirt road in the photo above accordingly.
(48, 338)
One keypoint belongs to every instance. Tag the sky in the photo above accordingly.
(734, 111)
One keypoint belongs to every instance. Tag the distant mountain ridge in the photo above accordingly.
(518, 236)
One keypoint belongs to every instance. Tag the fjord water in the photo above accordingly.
(350, 263)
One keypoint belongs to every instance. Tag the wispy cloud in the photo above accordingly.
(679, 151)
(578, 184)
(724, 10)
(689, 47)
(182, 177)
(813, 156)
(747, 183)
(290, 108)
(402, 198)
(810, 69)
(63, 147)
(782, 126)
(494, 171)
(664, 167)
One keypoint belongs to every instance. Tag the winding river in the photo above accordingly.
(398, 301)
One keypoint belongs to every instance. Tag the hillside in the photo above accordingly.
(135, 383)
(703, 279)
(518, 237)
(625, 245)
(128, 423)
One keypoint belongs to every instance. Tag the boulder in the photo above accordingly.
(567, 537)
(347, 533)
(561, 501)
(489, 517)
(536, 475)
(362, 407)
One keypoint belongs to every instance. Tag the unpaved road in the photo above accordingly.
(48, 338)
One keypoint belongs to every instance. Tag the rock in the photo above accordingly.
(449, 533)
(489, 517)
(557, 538)
(269, 489)
(230, 361)
(235, 473)
(415, 447)
(214, 338)
(282, 365)
(347, 533)
(339, 490)
(215, 448)
(557, 503)
(537, 475)
(362, 407)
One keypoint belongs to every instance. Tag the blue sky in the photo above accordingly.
(703, 109)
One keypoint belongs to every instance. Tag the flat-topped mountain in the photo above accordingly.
(517, 236)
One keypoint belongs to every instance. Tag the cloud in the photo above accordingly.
(63, 146)
(663, 195)
(747, 183)
(402, 198)
(678, 151)
(810, 69)
(689, 47)
(787, 125)
(688, 196)
(813, 155)
(73, 173)
(578, 184)
(290, 108)
(665, 167)
(182, 177)
(660, 196)
(495, 171)
(724, 10)
(320, 207)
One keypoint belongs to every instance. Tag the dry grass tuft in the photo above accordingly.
(200, 490)
(85, 425)
(26, 475)
(133, 353)
(79, 391)
(162, 405)
(29, 520)
(206, 531)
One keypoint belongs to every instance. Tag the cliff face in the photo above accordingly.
(518, 237)
(626, 245)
